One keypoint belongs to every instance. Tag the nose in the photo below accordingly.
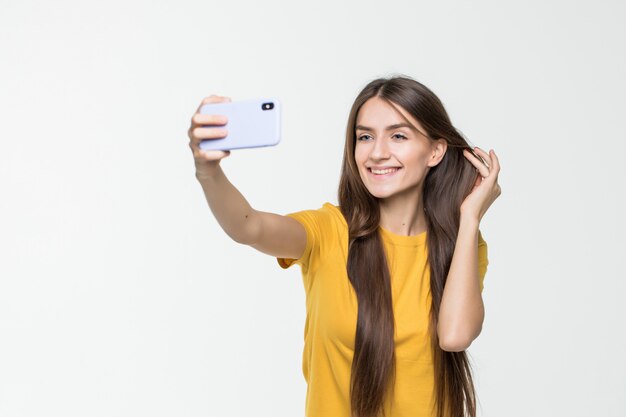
(380, 150)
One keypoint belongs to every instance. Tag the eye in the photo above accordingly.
(400, 135)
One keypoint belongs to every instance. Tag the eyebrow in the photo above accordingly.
(391, 127)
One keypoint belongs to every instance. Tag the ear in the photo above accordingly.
(438, 151)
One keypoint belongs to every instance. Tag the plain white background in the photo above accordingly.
(120, 295)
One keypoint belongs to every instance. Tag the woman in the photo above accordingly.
(394, 274)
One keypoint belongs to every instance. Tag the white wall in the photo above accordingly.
(120, 295)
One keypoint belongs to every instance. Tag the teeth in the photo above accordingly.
(384, 171)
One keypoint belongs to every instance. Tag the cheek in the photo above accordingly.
(359, 155)
(417, 158)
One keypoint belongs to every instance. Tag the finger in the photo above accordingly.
(495, 166)
(476, 155)
(208, 119)
(480, 166)
(212, 155)
(210, 99)
(213, 98)
(197, 134)
(485, 156)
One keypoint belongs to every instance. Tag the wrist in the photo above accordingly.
(207, 173)
(469, 220)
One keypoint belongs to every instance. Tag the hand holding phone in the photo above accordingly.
(207, 126)
(251, 123)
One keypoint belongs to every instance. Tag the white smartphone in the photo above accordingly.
(251, 123)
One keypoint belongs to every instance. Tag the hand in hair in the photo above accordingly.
(486, 189)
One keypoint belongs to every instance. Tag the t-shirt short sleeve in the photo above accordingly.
(319, 225)
(483, 260)
(306, 219)
(321, 230)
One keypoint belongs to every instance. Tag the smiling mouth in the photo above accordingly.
(383, 173)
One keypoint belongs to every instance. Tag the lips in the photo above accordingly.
(380, 168)
(383, 171)
(387, 172)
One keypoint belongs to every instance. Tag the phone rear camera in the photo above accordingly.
(267, 106)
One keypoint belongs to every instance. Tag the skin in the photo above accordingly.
(401, 204)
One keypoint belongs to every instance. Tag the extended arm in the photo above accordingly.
(230, 208)
(280, 236)
(272, 234)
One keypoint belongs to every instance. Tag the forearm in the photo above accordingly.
(230, 208)
(461, 312)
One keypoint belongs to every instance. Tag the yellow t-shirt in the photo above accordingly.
(331, 307)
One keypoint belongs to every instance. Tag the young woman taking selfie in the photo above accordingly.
(393, 274)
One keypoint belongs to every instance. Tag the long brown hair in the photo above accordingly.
(445, 187)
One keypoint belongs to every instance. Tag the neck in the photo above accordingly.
(403, 214)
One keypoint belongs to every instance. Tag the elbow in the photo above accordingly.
(454, 345)
(456, 342)
(242, 240)
(458, 336)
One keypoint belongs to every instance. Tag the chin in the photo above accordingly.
(381, 193)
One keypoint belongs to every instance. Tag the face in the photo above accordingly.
(402, 154)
